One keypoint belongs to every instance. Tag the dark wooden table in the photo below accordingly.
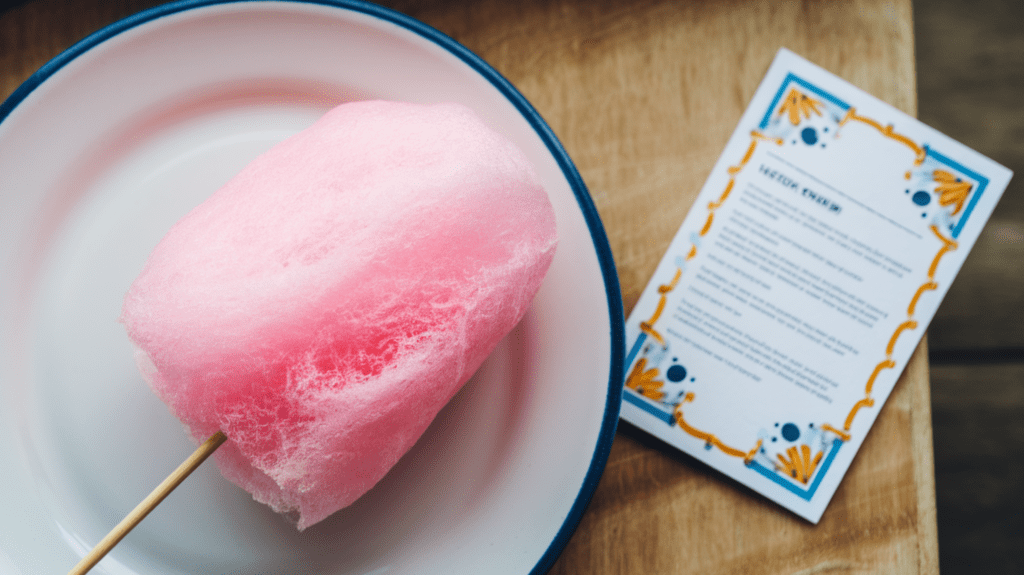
(644, 96)
(970, 68)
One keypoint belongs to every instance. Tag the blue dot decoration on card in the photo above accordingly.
(676, 373)
(921, 198)
(790, 432)
(809, 136)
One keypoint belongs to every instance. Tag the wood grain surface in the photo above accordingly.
(644, 95)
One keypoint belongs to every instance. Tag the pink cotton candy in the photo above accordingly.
(328, 301)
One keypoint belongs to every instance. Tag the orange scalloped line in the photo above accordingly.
(649, 330)
(648, 326)
(918, 150)
(703, 436)
(887, 364)
(842, 434)
(887, 131)
(707, 224)
(874, 124)
(725, 194)
(909, 324)
(866, 402)
(759, 136)
(657, 311)
(920, 291)
(935, 263)
(797, 463)
(665, 288)
(945, 241)
(752, 453)
(733, 170)
(948, 245)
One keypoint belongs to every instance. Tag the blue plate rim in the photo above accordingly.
(586, 204)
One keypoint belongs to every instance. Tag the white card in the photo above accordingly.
(800, 283)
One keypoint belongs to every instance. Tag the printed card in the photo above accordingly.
(800, 283)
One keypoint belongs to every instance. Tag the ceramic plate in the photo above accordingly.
(113, 141)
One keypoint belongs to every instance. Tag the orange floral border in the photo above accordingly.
(801, 465)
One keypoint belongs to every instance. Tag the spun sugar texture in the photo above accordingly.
(328, 301)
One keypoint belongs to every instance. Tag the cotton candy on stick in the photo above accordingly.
(327, 302)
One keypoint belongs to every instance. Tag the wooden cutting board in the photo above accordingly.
(643, 95)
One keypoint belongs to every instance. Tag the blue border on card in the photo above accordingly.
(632, 398)
(982, 184)
(982, 181)
(636, 348)
(793, 78)
(805, 494)
(657, 411)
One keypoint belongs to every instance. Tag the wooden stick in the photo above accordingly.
(146, 505)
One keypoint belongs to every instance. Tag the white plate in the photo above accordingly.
(109, 144)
